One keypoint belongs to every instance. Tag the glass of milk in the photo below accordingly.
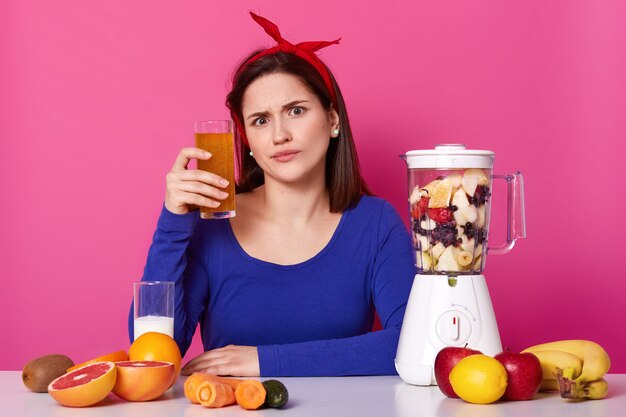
(154, 307)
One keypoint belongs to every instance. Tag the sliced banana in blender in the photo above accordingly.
(463, 257)
(437, 250)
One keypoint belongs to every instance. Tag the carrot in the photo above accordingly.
(215, 395)
(194, 380)
(250, 394)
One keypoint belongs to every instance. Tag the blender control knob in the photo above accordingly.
(453, 328)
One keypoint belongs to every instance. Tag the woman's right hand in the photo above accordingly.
(188, 189)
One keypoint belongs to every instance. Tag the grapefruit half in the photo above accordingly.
(85, 386)
(143, 380)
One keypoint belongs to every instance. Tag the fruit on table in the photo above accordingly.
(85, 386)
(549, 385)
(154, 346)
(143, 380)
(445, 360)
(120, 355)
(194, 380)
(595, 364)
(553, 359)
(479, 379)
(39, 372)
(250, 394)
(524, 375)
(277, 394)
(594, 390)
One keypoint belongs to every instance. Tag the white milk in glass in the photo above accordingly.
(159, 324)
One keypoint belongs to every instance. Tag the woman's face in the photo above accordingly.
(287, 128)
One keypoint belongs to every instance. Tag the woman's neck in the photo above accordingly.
(296, 203)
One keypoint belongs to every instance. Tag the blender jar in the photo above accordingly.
(449, 204)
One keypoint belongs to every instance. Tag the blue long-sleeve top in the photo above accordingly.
(309, 319)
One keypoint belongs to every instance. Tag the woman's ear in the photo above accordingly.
(334, 119)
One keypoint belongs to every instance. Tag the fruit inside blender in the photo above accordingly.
(449, 219)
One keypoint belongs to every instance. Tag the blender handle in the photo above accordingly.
(516, 217)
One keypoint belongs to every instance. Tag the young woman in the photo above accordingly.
(289, 286)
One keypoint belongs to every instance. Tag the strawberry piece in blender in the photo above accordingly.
(440, 215)
(419, 209)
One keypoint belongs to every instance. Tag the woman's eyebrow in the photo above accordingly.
(285, 106)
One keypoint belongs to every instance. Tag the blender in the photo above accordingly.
(449, 305)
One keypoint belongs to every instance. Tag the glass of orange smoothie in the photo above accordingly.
(216, 137)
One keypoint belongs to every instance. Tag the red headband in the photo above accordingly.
(304, 50)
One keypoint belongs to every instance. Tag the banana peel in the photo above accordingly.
(576, 389)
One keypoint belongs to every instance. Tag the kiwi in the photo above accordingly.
(40, 372)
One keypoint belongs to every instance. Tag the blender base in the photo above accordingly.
(444, 311)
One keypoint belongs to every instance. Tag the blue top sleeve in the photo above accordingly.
(309, 319)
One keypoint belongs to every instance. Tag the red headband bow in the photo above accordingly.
(304, 50)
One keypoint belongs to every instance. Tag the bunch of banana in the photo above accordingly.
(573, 367)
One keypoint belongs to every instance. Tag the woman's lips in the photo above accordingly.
(285, 156)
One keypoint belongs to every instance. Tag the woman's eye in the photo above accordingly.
(260, 121)
(296, 111)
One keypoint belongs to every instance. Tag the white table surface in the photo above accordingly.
(321, 397)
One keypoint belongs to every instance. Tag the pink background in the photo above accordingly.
(98, 97)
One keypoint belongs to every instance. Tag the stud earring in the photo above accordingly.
(336, 132)
(251, 154)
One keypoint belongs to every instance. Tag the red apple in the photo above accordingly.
(524, 373)
(445, 361)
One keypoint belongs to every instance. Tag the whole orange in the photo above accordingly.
(153, 346)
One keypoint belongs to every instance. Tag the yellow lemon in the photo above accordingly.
(479, 379)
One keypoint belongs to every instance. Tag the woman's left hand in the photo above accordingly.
(229, 360)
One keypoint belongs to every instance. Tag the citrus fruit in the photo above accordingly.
(479, 379)
(85, 386)
(120, 355)
(154, 346)
(143, 380)
(440, 196)
(430, 187)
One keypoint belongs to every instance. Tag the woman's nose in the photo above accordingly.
(281, 133)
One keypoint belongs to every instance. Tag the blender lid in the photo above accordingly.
(449, 156)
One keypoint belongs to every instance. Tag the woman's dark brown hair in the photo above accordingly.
(343, 175)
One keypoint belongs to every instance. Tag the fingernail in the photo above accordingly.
(224, 182)
(223, 194)
(206, 154)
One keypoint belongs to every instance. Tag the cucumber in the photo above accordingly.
(277, 394)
